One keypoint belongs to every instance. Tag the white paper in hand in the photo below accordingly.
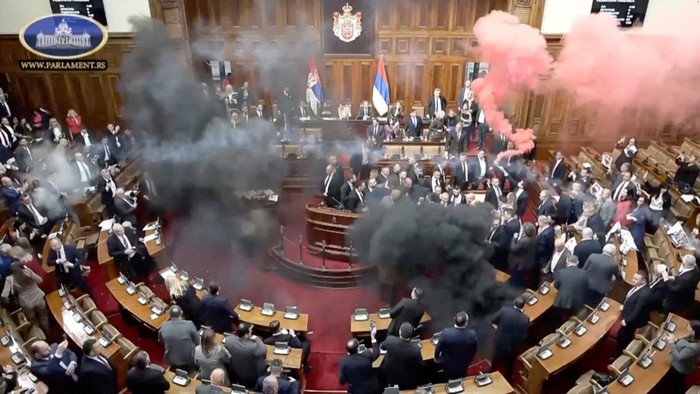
(106, 225)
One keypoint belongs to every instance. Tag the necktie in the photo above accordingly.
(498, 192)
(125, 241)
(4, 139)
(632, 291)
(464, 169)
(29, 153)
(107, 155)
(86, 170)
(327, 183)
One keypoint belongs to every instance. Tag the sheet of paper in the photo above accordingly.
(570, 244)
(106, 225)
(149, 226)
(612, 231)
(150, 237)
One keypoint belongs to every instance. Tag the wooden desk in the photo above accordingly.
(189, 389)
(361, 328)
(329, 225)
(255, 317)
(543, 304)
(427, 352)
(23, 380)
(292, 361)
(502, 276)
(646, 379)
(131, 304)
(562, 358)
(104, 259)
(73, 329)
(71, 232)
(156, 249)
(499, 386)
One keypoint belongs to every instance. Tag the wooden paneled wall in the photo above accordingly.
(426, 44)
(94, 95)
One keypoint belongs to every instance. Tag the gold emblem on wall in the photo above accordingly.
(347, 27)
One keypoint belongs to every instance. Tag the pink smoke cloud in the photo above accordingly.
(610, 71)
(518, 57)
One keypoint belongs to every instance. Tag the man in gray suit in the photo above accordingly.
(572, 284)
(180, 338)
(247, 356)
(607, 207)
(215, 385)
(600, 268)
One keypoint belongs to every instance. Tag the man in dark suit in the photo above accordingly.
(564, 209)
(521, 197)
(97, 373)
(499, 244)
(403, 364)
(680, 289)
(356, 368)
(456, 348)
(557, 171)
(217, 311)
(572, 283)
(625, 182)
(547, 205)
(462, 173)
(456, 142)
(33, 216)
(521, 259)
(104, 153)
(375, 193)
(407, 310)
(107, 187)
(122, 246)
(69, 264)
(436, 103)
(687, 171)
(657, 292)
(24, 157)
(414, 125)
(365, 111)
(330, 187)
(545, 246)
(285, 384)
(56, 366)
(141, 379)
(634, 310)
(289, 337)
(511, 332)
(375, 134)
(600, 268)
(494, 194)
(480, 170)
(356, 201)
(500, 144)
(125, 205)
(347, 188)
(587, 246)
(511, 224)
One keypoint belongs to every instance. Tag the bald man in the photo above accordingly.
(55, 365)
(69, 264)
(216, 383)
(125, 205)
(558, 260)
(587, 246)
(601, 268)
(121, 246)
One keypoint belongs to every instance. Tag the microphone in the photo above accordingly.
(342, 207)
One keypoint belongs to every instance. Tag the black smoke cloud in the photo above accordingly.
(196, 159)
(442, 250)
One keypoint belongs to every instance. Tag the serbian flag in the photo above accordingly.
(380, 93)
(314, 90)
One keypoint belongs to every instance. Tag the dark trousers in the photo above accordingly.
(593, 298)
(675, 382)
(625, 335)
(483, 129)
(504, 362)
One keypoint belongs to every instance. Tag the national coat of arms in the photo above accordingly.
(347, 27)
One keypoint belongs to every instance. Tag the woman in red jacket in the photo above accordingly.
(75, 123)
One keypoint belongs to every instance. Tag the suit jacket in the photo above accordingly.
(353, 202)
(511, 332)
(557, 172)
(545, 246)
(375, 134)
(12, 197)
(94, 171)
(455, 351)
(635, 310)
(499, 243)
(402, 364)
(106, 194)
(364, 111)
(476, 168)
(561, 263)
(96, 378)
(522, 253)
(585, 249)
(456, 143)
(25, 215)
(206, 388)
(117, 250)
(684, 356)
(407, 310)
(333, 198)
(345, 191)
(414, 130)
(657, 293)
(53, 374)
(432, 106)
(356, 371)
(72, 255)
(23, 159)
(686, 173)
(146, 381)
(499, 144)
(179, 337)
(126, 211)
(286, 385)
(218, 313)
(374, 197)
(572, 283)
(521, 204)
(491, 197)
(600, 268)
(564, 209)
(191, 306)
(511, 228)
(680, 292)
(393, 113)
(631, 189)
(595, 222)
(547, 208)
(459, 177)
(248, 357)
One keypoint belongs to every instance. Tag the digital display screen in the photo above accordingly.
(628, 13)
(94, 9)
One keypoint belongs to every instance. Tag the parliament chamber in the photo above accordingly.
(198, 196)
